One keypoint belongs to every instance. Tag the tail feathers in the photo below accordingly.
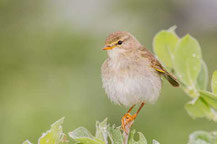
(172, 80)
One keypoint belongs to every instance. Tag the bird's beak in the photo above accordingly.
(108, 47)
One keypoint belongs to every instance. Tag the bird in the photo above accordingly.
(131, 75)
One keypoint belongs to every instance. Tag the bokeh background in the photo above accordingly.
(50, 59)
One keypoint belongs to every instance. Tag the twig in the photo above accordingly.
(127, 132)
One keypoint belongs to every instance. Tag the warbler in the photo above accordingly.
(131, 74)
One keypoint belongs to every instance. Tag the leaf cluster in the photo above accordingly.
(104, 134)
(182, 56)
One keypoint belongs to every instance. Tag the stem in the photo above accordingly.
(126, 133)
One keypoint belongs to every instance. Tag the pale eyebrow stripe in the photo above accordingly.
(122, 39)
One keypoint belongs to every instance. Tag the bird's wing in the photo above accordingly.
(159, 68)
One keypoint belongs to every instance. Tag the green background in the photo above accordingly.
(50, 60)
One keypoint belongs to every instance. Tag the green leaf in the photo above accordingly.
(82, 135)
(53, 136)
(80, 132)
(115, 134)
(214, 82)
(203, 106)
(210, 98)
(142, 139)
(101, 130)
(164, 45)
(155, 142)
(26, 142)
(202, 80)
(86, 140)
(202, 137)
(187, 60)
(198, 108)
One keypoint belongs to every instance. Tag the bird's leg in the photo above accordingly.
(131, 108)
(140, 108)
(127, 119)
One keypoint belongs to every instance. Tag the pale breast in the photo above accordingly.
(130, 82)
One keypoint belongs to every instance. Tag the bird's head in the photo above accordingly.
(120, 41)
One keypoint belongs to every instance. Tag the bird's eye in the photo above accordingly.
(120, 42)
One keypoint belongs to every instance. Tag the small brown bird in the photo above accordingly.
(131, 74)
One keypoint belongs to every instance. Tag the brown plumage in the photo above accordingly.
(158, 67)
(131, 74)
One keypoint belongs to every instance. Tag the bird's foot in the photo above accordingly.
(127, 121)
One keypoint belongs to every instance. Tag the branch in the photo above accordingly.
(127, 131)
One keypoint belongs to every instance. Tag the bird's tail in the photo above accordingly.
(172, 80)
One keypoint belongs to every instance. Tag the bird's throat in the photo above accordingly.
(115, 53)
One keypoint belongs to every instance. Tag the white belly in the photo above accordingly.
(132, 88)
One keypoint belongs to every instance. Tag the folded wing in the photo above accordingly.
(159, 68)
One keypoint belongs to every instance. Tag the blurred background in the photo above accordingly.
(50, 59)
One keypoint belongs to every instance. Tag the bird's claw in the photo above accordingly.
(127, 121)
